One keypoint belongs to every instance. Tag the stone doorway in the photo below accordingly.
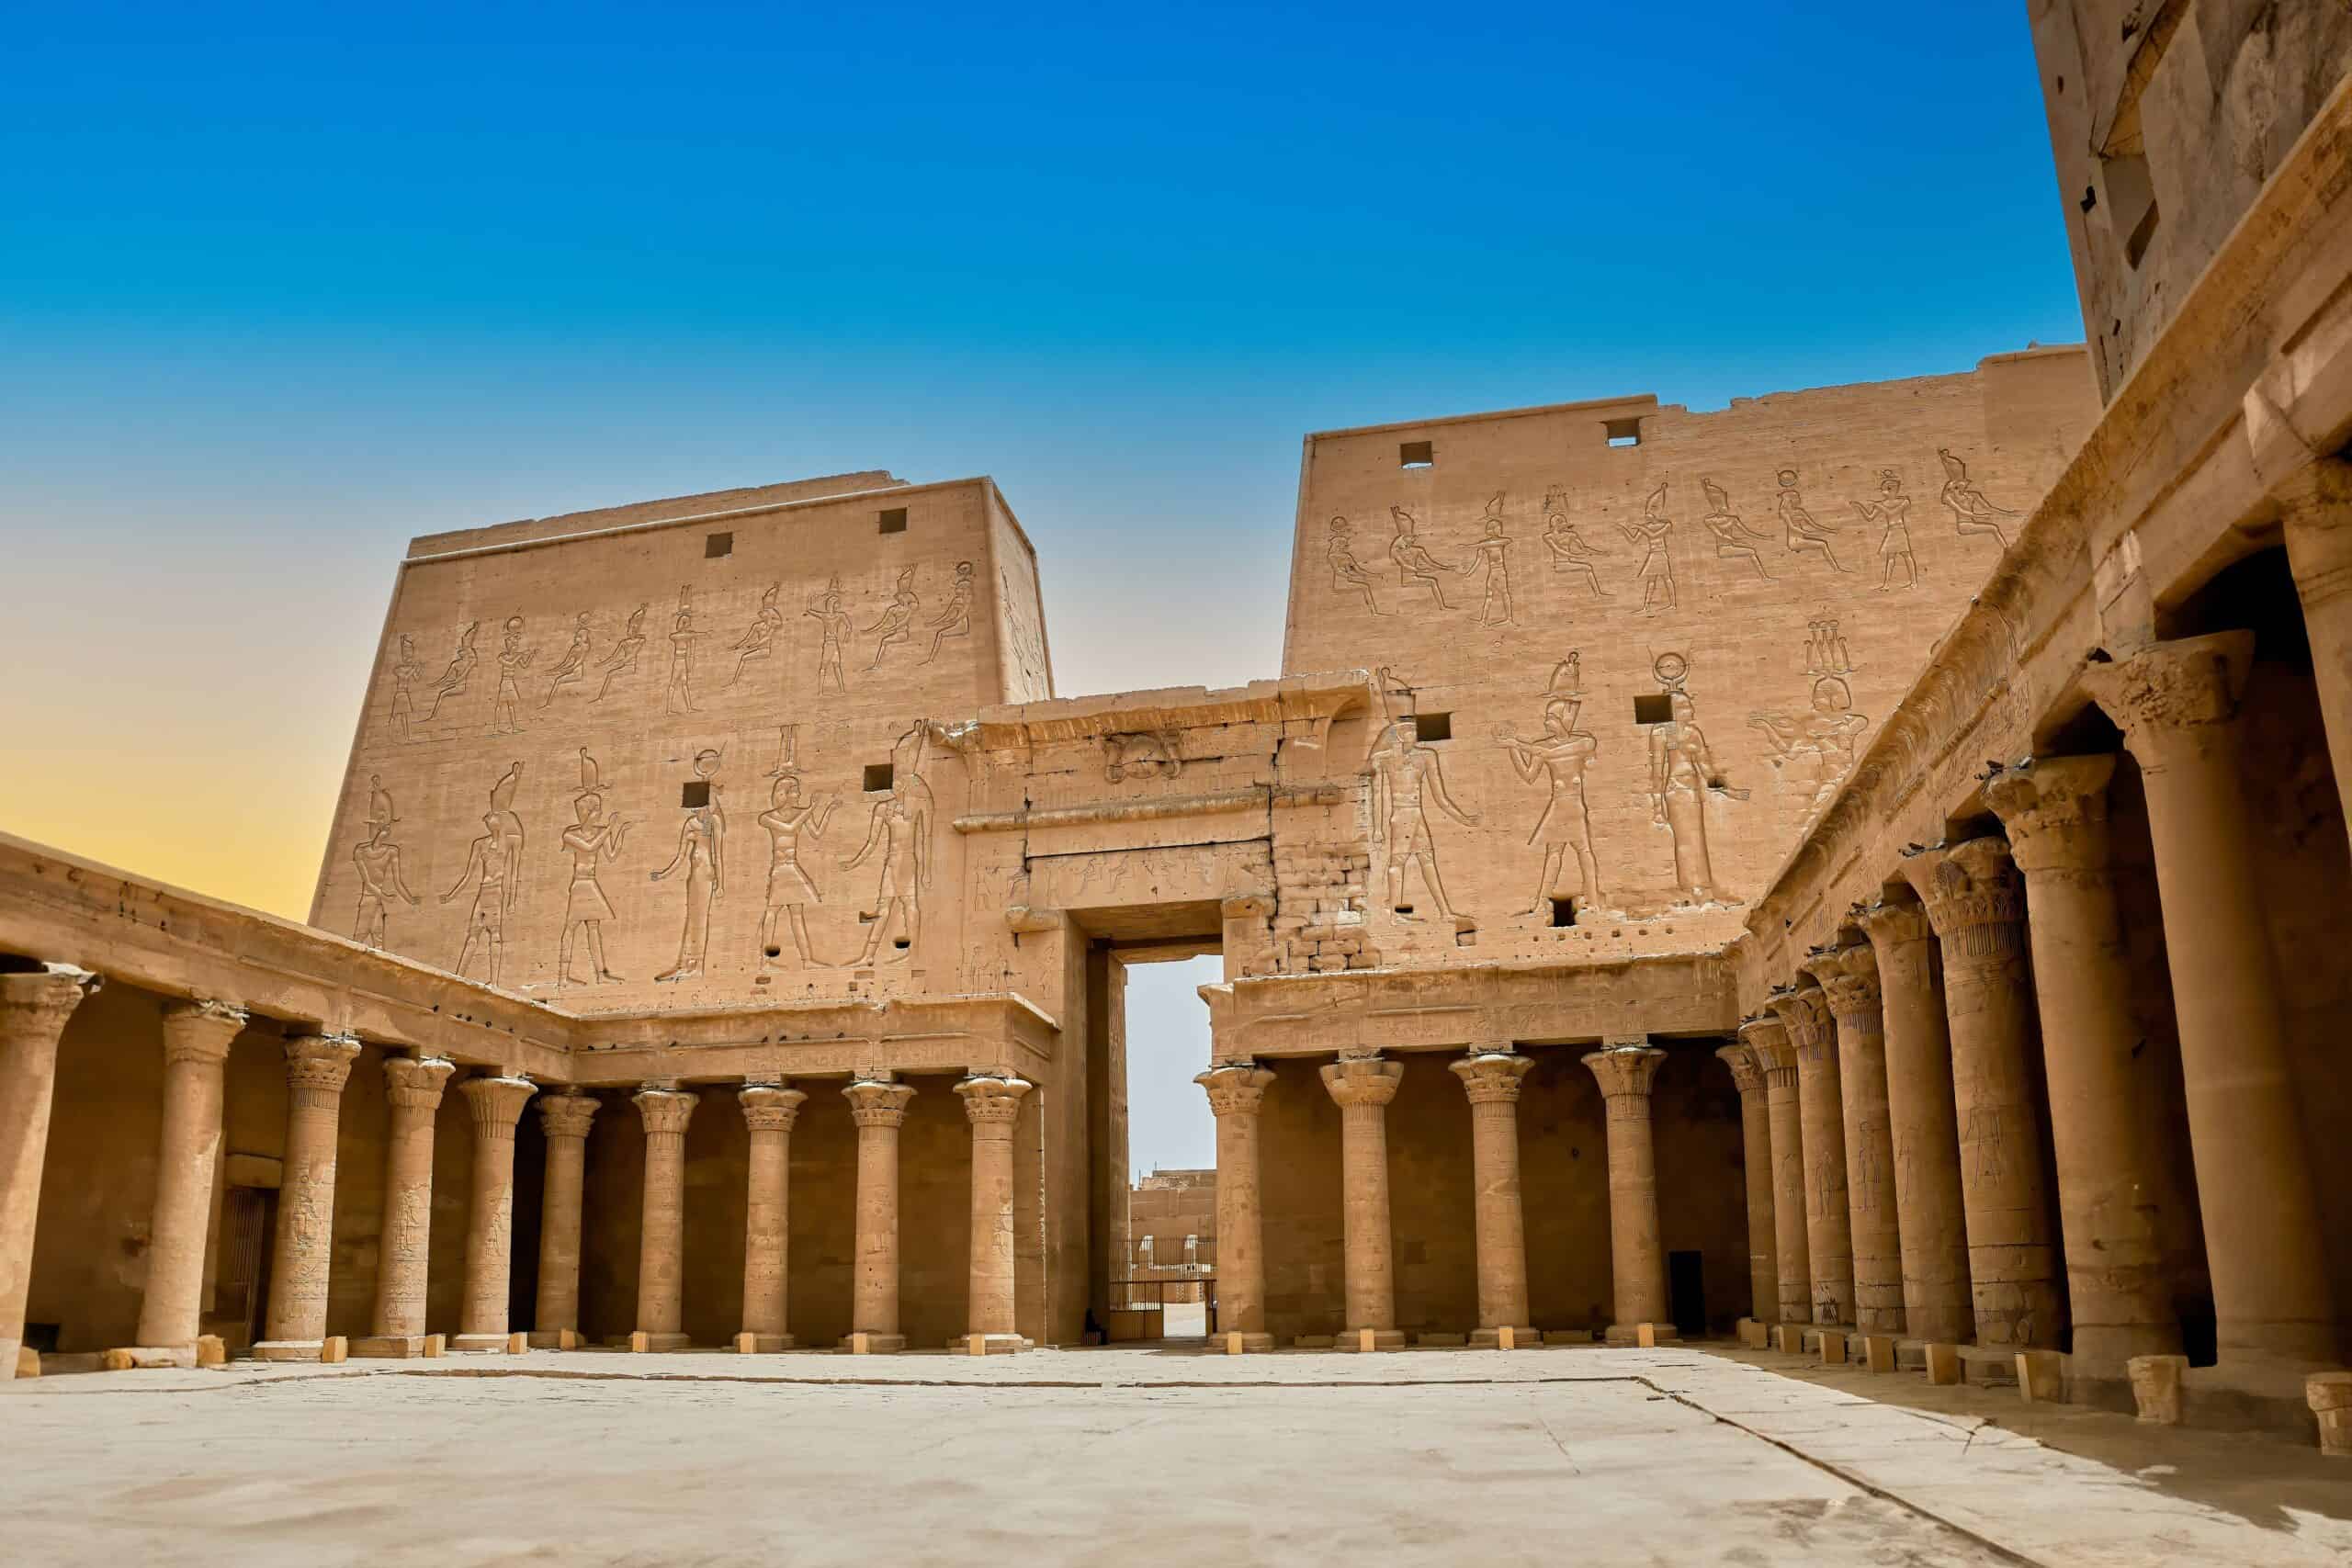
(1170, 1259)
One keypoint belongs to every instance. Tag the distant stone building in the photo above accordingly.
(1171, 1224)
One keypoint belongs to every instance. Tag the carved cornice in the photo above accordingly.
(874, 1103)
(666, 1110)
(567, 1114)
(414, 1083)
(1747, 1071)
(2175, 700)
(990, 1100)
(1491, 1077)
(1362, 1080)
(1237, 1088)
(200, 1031)
(770, 1106)
(497, 1104)
(2055, 811)
(1975, 898)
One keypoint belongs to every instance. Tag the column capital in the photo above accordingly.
(320, 1061)
(201, 1029)
(567, 1112)
(989, 1098)
(1746, 1067)
(666, 1109)
(1235, 1089)
(770, 1106)
(2175, 700)
(414, 1083)
(1362, 1080)
(1975, 898)
(2055, 810)
(1849, 976)
(1626, 1072)
(1491, 1077)
(1893, 922)
(2315, 513)
(497, 1103)
(1805, 1011)
(1768, 1037)
(875, 1103)
(40, 1001)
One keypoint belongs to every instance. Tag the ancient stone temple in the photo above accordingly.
(1857, 866)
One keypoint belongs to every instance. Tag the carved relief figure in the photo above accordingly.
(901, 828)
(1563, 827)
(1141, 757)
(514, 658)
(1734, 538)
(574, 662)
(1027, 638)
(461, 667)
(1803, 530)
(702, 852)
(1346, 572)
(1892, 510)
(825, 610)
(1972, 511)
(1570, 550)
(1413, 563)
(1657, 564)
(790, 891)
(1406, 774)
(1683, 771)
(622, 660)
(1828, 738)
(680, 697)
(956, 619)
(1493, 549)
(405, 669)
(379, 860)
(591, 840)
(509, 829)
(486, 920)
(897, 622)
(760, 636)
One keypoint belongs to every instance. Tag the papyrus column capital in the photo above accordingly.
(666, 1109)
(567, 1114)
(875, 1103)
(414, 1083)
(992, 1101)
(2176, 701)
(1890, 923)
(2315, 513)
(497, 1104)
(1975, 898)
(40, 1002)
(1768, 1037)
(1238, 1088)
(1362, 1080)
(200, 1031)
(1804, 1010)
(770, 1106)
(1849, 976)
(320, 1063)
(2055, 811)
(1491, 1077)
(1747, 1071)
(1626, 1074)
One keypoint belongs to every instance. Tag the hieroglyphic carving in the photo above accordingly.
(1560, 753)
(591, 840)
(406, 671)
(1892, 510)
(1827, 738)
(1972, 511)
(1683, 773)
(494, 864)
(825, 610)
(702, 852)
(1652, 532)
(1414, 562)
(573, 665)
(1028, 640)
(379, 860)
(897, 623)
(956, 619)
(1571, 551)
(787, 820)
(679, 696)
(1405, 774)
(1493, 550)
(900, 827)
(1734, 538)
(515, 656)
(1347, 572)
(461, 667)
(1803, 529)
(759, 638)
(622, 660)
(1149, 756)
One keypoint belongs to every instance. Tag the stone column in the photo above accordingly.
(2316, 512)
(197, 1036)
(879, 1108)
(1364, 1086)
(1923, 1129)
(2109, 1183)
(2177, 704)
(769, 1111)
(661, 1239)
(991, 1103)
(1756, 1155)
(497, 1104)
(1828, 1220)
(1976, 903)
(317, 1066)
(1792, 1251)
(33, 1010)
(1636, 1257)
(564, 1116)
(1491, 1079)
(1236, 1092)
(413, 1085)
(1849, 976)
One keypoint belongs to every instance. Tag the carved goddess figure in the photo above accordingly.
(486, 920)
(680, 697)
(1972, 511)
(1651, 534)
(574, 662)
(1803, 530)
(1346, 572)
(1406, 774)
(1734, 538)
(1682, 772)
(1565, 827)
(1493, 549)
(508, 827)
(760, 636)
(1413, 563)
(1570, 550)
(898, 621)
(1892, 510)
(622, 660)
(379, 860)
(461, 666)
(901, 828)
(514, 658)
(702, 852)
(591, 840)
(956, 619)
(790, 891)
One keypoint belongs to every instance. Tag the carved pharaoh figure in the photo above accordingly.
(1972, 511)
(1803, 530)
(1406, 775)
(378, 862)
(1493, 549)
(1734, 538)
(1570, 550)
(956, 619)
(1563, 826)
(1682, 773)
(900, 827)
(590, 841)
(1414, 562)
(825, 610)
(573, 665)
(702, 854)
(680, 695)
(1828, 738)
(509, 829)
(1892, 511)
(514, 658)
(790, 891)
(486, 917)
(406, 671)
(897, 622)
(462, 668)
(1347, 572)
(622, 660)
(1652, 532)
(759, 638)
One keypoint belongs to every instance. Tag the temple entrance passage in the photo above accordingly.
(1165, 1273)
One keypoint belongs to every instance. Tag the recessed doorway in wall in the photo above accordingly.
(1171, 1145)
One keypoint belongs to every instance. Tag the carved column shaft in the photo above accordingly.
(564, 1117)
(1236, 1091)
(33, 1012)
(1636, 1255)
(2177, 705)
(1976, 904)
(1756, 1158)
(1492, 1079)
(879, 1110)
(992, 1105)
(1849, 977)
(317, 1068)
(497, 1104)
(197, 1036)
(1923, 1127)
(2110, 1184)
(769, 1112)
(1791, 1248)
(1364, 1087)
(1829, 1217)
(662, 1238)
(2317, 520)
(412, 1087)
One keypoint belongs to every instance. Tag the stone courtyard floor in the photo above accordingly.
(1677, 1456)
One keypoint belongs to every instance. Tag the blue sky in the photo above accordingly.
(280, 286)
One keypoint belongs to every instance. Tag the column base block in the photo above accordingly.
(28, 1362)
(750, 1344)
(290, 1350)
(875, 1343)
(1788, 1339)
(1753, 1336)
(1235, 1343)
(2329, 1395)
(640, 1342)
(555, 1339)
(1645, 1335)
(211, 1350)
(1492, 1338)
(1989, 1366)
(480, 1344)
(1942, 1363)
(390, 1346)
(1879, 1352)
(2042, 1377)
(2156, 1385)
(989, 1345)
(1370, 1339)
(130, 1356)
(1910, 1355)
